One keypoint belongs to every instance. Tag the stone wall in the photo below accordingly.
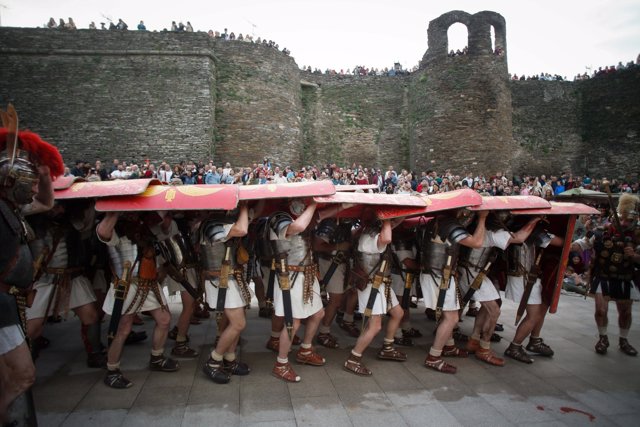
(105, 94)
(173, 96)
(356, 119)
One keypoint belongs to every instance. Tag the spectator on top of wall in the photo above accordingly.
(174, 27)
(61, 25)
(141, 26)
(189, 28)
(71, 25)
(51, 23)
(92, 26)
(121, 25)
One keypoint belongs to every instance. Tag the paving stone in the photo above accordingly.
(320, 411)
(108, 417)
(145, 416)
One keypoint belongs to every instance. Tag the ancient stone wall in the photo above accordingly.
(105, 94)
(356, 119)
(173, 96)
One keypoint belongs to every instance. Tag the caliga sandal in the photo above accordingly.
(627, 348)
(216, 372)
(453, 351)
(354, 364)
(537, 345)
(459, 336)
(309, 357)
(350, 328)
(437, 364)
(486, 355)
(472, 346)
(284, 371)
(236, 367)
(273, 344)
(403, 341)
(183, 350)
(163, 364)
(115, 379)
(411, 333)
(327, 340)
(602, 345)
(516, 352)
(390, 353)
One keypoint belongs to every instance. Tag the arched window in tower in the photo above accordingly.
(457, 39)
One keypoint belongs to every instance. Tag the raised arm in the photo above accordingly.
(477, 238)
(523, 234)
(302, 222)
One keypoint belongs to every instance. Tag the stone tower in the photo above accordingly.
(460, 106)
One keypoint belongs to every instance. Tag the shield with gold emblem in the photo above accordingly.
(169, 197)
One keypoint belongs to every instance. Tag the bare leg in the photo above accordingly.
(17, 374)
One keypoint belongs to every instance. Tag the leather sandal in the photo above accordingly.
(516, 352)
(411, 333)
(163, 364)
(486, 355)
(602, 345)
(216, 372)
(403, 341)
(309, 357)
(459, 336)
(350, 328)
(236, 367)
(354, 364)
(437, 364)
(627, 348)
(473, 346)
(453, 351)
(495, 338)
(284, 371)
(273, 344)
(538, 346)
(327, 340)
(391, 354)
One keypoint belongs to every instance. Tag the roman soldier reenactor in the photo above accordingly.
(612, 271)
(27, 167)
(226, 289)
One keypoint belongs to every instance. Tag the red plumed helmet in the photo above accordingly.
(40, 152)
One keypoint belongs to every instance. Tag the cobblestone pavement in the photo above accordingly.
(575, 387)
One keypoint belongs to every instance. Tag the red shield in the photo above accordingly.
(169, 197)
(286, 191)
(494, 203)
(121, 187)
(372, 199)
(356, 187)
(560, 208)
(362, 200)
(433, 203)
(63, 182)
(561, 220)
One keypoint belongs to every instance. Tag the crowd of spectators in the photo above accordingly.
(388, 181)
(360, 70)
(600, 72)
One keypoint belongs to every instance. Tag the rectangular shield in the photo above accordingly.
(169, 197)
(90, 189)
(433, 203)
(286, 191)
(493, 203)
